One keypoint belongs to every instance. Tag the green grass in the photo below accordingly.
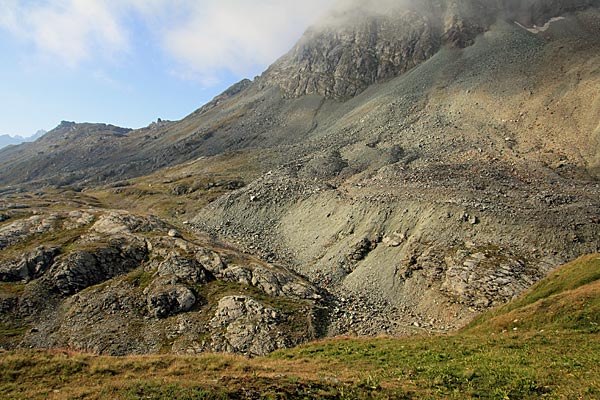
(554, 355)
(175, 192)
(569, 298)
(140, 278)
(11, 289)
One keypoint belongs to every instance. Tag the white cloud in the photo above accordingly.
(8, 17)
(205, 39)
(72, 31)
(238, 36)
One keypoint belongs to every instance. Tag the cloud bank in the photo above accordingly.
(72, 31)
(202, 39)
(239, 35)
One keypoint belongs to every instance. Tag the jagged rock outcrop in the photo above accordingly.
(245, 326)
(489, 277)
(84, 268)
(374, 41)
(182, 269)
(165, 300)
(271, 280)
(30, 266)
(340, 60)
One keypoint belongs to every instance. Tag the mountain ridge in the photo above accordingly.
(6, 140)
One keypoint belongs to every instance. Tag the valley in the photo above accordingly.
(383, 195)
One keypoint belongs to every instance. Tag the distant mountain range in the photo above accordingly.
(6, 140)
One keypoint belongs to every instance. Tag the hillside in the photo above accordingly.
(400, 171)
(542, 345)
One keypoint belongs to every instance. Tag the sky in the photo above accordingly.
(129, 62)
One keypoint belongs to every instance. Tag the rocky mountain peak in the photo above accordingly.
(69, 130)
(368, 42)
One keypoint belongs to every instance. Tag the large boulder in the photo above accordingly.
(166, 300)
(245, 326)
(31, 266)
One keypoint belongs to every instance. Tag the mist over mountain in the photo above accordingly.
(403, 168)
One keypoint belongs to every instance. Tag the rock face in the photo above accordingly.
(274, 282)
(31, 266)
(183, 269)
(81, 269)
(340, 60)
(245, 326)
(168, 300)
(375, 41)
(489, 277)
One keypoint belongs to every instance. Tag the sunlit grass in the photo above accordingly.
(557, 359)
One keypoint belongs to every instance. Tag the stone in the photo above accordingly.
(394, 240)
(211, 261)
(83, 268)
(168, 300)
(184, 269)
(243, 325)
(272, 281)
(31, 266)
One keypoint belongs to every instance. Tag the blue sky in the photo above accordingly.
(129, 62)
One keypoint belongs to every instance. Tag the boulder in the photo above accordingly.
(31, 266)
(184, 269)
(165, 301)
(83, 268)
(243, 325)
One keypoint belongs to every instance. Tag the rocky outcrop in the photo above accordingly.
(182, 269)
(243, 325)
(488, 277)
(116, 222)
(271, 280)
(20, 230)
(368, 43)
(83, 268)
(30, 266)
(371, 42)
(339, 60)
(167, 300)
(143, 290)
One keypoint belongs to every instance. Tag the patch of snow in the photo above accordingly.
(539, 29)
